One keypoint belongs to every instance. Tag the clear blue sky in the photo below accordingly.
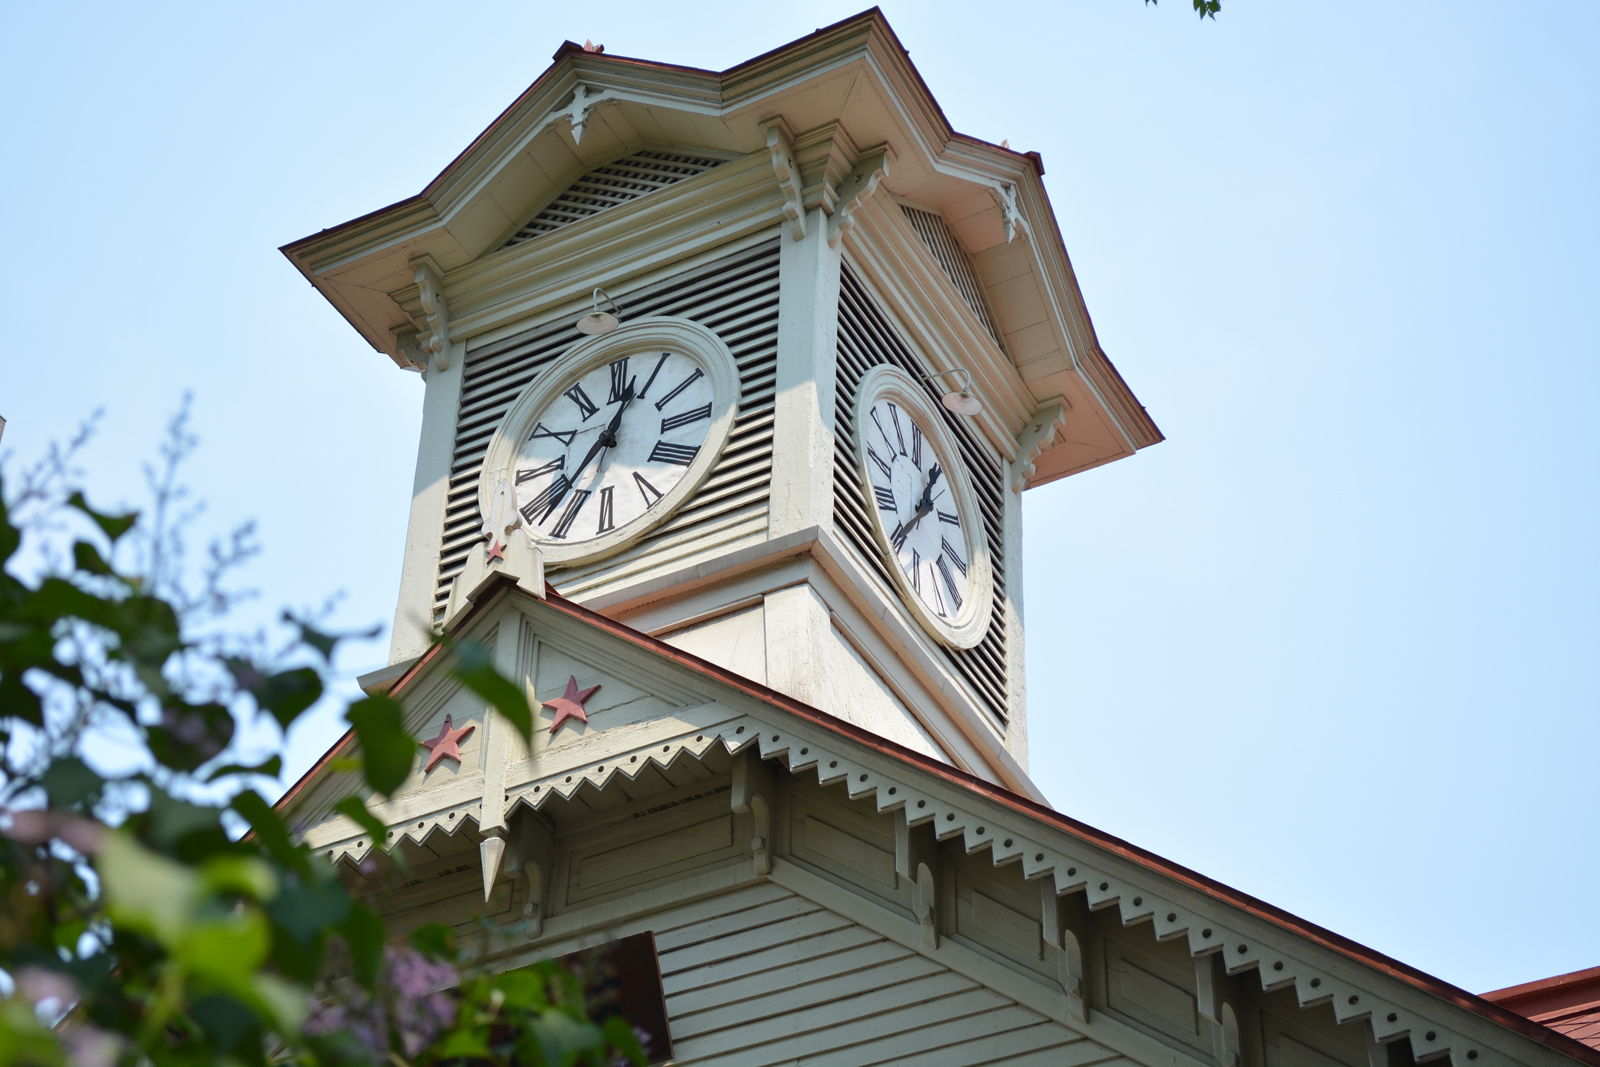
(1334, 642)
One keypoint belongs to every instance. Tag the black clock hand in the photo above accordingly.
(606, 439)
(925, 505)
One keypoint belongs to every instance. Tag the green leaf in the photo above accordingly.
(620, 1036)
(357, 810)
(68, 782)
(232, 1025)
(113, 526)
(387, 751)
(87, 558)
(284, 695)
(271, 832)
(270, 767)
(465, 1044)
(435, 940)
(562, 1038)
(364, 934)
(307, 908)
(323, 643)
(476, 671)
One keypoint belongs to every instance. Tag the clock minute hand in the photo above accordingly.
(608, 439)
(925, 505)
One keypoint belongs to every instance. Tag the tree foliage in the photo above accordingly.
(162, 912)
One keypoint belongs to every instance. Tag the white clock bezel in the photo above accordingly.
(968, 627)
(661, 333)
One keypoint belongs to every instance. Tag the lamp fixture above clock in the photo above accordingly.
(961, 401)
(597, 321)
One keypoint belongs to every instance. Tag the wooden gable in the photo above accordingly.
(818, 893)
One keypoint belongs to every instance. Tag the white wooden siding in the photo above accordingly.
(763, 976)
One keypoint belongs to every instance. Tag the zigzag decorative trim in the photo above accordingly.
(1430, 1038)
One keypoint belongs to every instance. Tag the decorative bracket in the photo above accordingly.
(577, 112)
(1040, 435)
(435, 340)
(753, 784)
(1224, 1023)
(922, 906)
(535, 856)
(863, 181)
(1012, 215)
(781, 145)
(1064, 945)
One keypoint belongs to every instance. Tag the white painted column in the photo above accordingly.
(413, 614)
(802, 435)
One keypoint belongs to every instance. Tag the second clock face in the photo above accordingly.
(915, 503)
(612, 444)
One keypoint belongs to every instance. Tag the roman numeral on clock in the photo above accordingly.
(950, 582)
(619, 381)
(652, 380)
(672, 422)
(916, 445)
(885, 498)
(567, 517)
(881, 431)
(667, 452)
(681, 386)
(953, 520)
(897, 536)
(564, 436)
(607, 513)
(916, 572)
(539, 508)
(528, 474)
(650, 493)
(955, 557)
(894, 417)
(883, 466)
(579, 397)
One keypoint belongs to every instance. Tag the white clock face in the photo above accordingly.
(612, 444)
(915, 503)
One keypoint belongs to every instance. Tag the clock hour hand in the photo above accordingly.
(925, 505)
(607, 439)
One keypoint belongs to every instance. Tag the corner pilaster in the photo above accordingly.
(802, 435)
(430, 490)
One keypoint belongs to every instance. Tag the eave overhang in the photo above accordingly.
(854, 72)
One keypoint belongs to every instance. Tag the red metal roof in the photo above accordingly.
(1566, 1003)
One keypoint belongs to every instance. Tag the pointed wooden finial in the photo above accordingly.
(493, 850)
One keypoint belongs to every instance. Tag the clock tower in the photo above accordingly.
(756, 362)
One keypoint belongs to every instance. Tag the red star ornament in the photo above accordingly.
(447, 745)
(497, 551)
(569, 705)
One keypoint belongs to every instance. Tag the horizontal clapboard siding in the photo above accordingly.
(763, 976)
(866, 339)
(737, 298)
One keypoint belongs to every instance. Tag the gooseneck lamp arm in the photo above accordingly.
(961, 401)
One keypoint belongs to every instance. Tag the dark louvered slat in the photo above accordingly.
(866, 339)
(605, 187)
(736, 297)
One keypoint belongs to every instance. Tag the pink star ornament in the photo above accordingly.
(569, 705)
(447, 745)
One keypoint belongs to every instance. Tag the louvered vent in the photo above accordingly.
(737, 298)
(957, 267)
(615, 183)
(866, 339)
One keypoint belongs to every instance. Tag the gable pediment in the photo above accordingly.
(626, 178)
